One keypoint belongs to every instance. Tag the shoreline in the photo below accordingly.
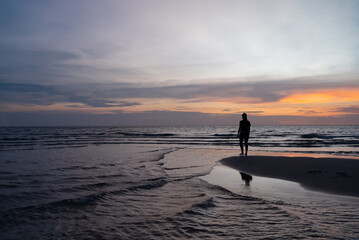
(332, 175)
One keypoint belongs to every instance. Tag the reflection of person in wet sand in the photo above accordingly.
(246, 177)
(243, 132)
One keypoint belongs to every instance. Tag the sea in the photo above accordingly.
(165, 182)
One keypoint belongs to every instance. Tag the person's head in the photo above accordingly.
(244, 116)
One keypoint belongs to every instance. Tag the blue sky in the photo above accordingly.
(111, 59)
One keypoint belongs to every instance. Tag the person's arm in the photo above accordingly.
(239, 129)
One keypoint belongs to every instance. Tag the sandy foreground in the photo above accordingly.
(326, 174)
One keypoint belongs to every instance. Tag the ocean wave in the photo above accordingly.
(209, 203)
(8, 186)
(261, 136)
(199, 208)
(81, 200)
(77, 201)
(146, 134)
(231, 135)
(18, 138)
(315, 135)
(73, 168)
(148, 186)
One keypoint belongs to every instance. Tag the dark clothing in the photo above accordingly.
(243, 133)
(244, 129)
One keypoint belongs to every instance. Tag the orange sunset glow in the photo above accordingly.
(325, 96)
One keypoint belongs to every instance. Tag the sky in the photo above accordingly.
(167, 62)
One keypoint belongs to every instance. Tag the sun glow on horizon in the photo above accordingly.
(323, 102)
(324, 96)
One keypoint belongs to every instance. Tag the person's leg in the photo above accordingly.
(241, 145)
(246, 145)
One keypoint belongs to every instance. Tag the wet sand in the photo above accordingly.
(326, 174)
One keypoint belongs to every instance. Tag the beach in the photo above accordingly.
(327, 174)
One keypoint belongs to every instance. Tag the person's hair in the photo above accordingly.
(244, 116)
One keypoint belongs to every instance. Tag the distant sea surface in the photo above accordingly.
(336, 140)
(150, 183)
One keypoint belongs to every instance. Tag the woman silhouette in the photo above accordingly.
(243, 132)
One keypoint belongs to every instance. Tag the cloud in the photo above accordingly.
(161, 118)
(123, 104)
(33, 65)
(308, 112)
(348, 110)
(104, 103)
(46, 95)
(47, 66)
(15, 61)
(164, 40)
(103, 95)
(13, 55)
(253, 112)
(254, 91)
(24, 93)
(72, 53)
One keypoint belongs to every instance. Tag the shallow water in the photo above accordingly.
(151, 191)
(336, 215)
